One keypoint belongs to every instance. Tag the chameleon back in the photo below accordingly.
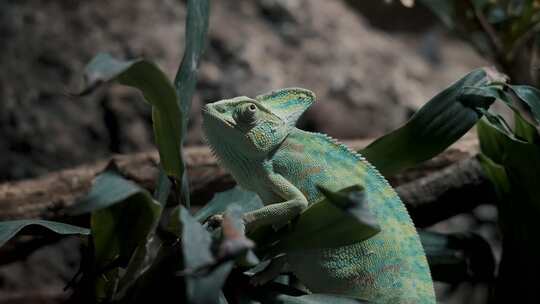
(390, 267)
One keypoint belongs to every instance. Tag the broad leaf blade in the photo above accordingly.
(108, 188)
(116, 204)
(531, 97)
(198, 14)
(524, 130)
(123, 217)
(196, 32)
(497, 175)
(513, 168)
(119, 229)
(157, 90)
(438, 124)
(196, 251)
(8, 229)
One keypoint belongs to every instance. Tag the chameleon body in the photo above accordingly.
(257, 141)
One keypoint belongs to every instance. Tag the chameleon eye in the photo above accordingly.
(246, 113)
(249, 111)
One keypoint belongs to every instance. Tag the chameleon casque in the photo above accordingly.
(257, 142)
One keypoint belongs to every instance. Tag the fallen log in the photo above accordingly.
(47, 196)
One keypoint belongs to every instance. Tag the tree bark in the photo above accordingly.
(429, 196)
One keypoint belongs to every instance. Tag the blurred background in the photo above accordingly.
(371, 64)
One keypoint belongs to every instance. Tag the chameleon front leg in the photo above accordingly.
(277, 213)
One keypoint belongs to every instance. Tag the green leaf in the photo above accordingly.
(124, 216)
(196, 32)
(198, 14)
(513, 167)
(117, 204)
(196, 252)
(121, 228)
(8, 229)
(496, 174)
(246, 200)
(438, 124)
(163, 187)
(498, 147)
(490, 144)
(108, 188)
(343, 218)
(157, 90)
(524, 130)
(531, 97)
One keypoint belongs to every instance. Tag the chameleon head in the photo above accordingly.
(248, 127)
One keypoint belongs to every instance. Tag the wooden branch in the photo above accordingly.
(455, 189)
(47, 196)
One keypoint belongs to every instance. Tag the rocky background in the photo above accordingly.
(370, 64)
(369, 69)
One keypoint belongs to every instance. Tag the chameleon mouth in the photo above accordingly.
(211, 116)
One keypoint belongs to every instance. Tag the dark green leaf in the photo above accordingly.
(196, 30)
(438, 124)
(524, 130)
(108, 188)
(198, 14)
(196, 251)
(513, 168)
(117, 204)
(163, 187)
(496, 120)
(246, 200)
(498, 147)
(496, 174)
(124, 216)
(157, 90)
(531, 97)
(490, 144)
(119, 229)
(8, 229)
(343, 218)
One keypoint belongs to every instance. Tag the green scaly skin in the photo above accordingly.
(255, 139)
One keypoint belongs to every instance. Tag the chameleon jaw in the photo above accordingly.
(210, 115)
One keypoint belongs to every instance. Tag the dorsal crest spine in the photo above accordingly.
(288, 104)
